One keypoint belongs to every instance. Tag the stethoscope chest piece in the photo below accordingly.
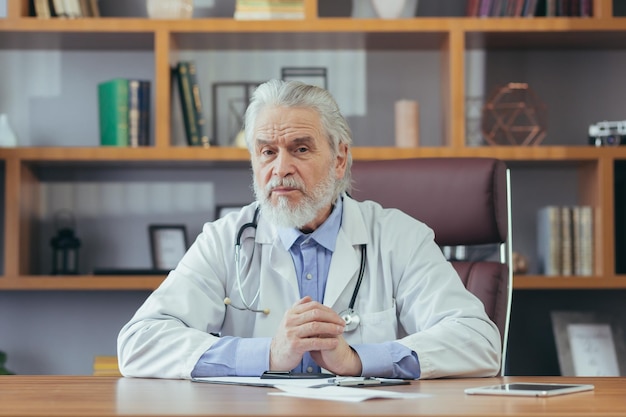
(351, 318)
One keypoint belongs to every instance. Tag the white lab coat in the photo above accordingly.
(409, 293)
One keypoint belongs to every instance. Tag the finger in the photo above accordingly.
(318, 344)
(315, 311)
(303, 300)
(318, 329)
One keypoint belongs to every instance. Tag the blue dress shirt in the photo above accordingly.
(311, 254)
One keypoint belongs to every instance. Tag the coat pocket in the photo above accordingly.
(381, 326)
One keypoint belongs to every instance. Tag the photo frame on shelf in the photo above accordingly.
(317, 76)
(229, 101)
(221, 211)
(589, 343)
(168, 244)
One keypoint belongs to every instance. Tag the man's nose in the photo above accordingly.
(284, 164)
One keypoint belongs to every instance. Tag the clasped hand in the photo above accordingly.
(312, 327)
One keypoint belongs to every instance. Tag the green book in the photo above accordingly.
(197, 106)
(185, 90)
(113, 108)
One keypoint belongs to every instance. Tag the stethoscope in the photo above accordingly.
(349, 315)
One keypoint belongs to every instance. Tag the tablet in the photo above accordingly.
(530, 389)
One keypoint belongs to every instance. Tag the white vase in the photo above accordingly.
(169, 9)
(385, 9)
(388, 9)
(7, 136)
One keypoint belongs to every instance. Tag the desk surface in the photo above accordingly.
(87, 396)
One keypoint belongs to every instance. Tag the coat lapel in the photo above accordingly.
(346, 260)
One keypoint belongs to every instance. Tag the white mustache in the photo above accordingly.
(284, 182)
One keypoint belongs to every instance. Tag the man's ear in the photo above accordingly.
(341, 161)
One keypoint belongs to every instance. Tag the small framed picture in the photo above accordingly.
(221, 211)
(317, 76)
(168, 244)
(589, 344)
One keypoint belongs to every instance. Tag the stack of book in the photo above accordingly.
(529, 8)
(269, 9)
(45, 9)
(565, 240)
(106, 366)
(191, 104)
(124, 109)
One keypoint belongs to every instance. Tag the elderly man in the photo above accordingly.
(306, 278)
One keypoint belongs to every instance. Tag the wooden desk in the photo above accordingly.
(88, 396)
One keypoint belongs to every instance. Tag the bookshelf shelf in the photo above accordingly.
(530, 282)
(449, 37)
(149, 283)
(557, 154)
(80, 282)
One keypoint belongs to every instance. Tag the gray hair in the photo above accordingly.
(296, 94)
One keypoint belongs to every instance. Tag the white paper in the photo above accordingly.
(593, 350)
(341, 393)
(303, 388)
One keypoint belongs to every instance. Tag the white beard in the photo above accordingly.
(297, 216)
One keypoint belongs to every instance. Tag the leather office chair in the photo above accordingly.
(466, 201)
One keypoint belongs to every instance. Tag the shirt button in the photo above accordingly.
(309, 276)
(309, 369)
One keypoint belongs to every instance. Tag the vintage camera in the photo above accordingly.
(607, 133)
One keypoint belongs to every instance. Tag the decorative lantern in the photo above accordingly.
(65, 246)
(514, 115)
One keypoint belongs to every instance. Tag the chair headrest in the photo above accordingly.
(462, 199)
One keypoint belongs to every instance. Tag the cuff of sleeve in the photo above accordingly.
(249, 350)
(388, 360)
(376, 360)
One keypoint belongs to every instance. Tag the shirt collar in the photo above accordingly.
(325, 235)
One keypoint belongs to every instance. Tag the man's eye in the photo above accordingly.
(302, 149)
(267, 152)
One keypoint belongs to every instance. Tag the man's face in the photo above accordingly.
(295, 173)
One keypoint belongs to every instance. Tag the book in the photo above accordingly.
(72, 8)
(113, 111)
(583, 240)
(106, 366)
(144, 112)
(485, 8)
(191, 104)
(133, 113)
(519, 8)
(197, 106)
(269, 9)
(58, 6)
(94, 8)
(186, 103)
(42, 9)
(472, 8)
(530, 8)
(549, 240)
(586, 8)
(567, 241)
(85, 8)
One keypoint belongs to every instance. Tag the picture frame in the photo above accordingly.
(317, 76)
(168, 244)
(229, 101)
(589, 343)
(221, 211)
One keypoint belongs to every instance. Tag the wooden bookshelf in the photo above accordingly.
(165, 39)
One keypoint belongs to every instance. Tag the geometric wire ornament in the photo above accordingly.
(514, 115)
